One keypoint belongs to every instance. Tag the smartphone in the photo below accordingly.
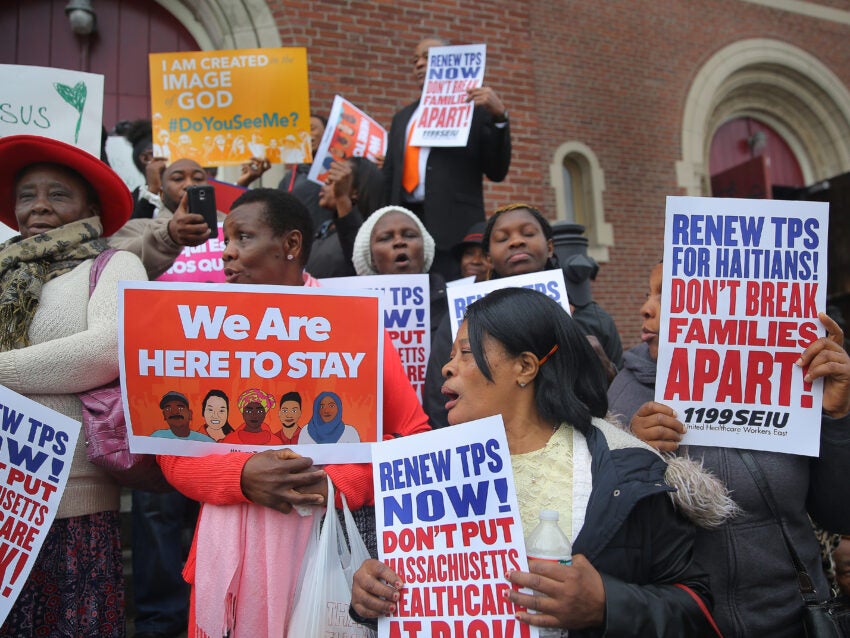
(201, 201)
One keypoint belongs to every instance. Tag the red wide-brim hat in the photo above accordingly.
(19, 151)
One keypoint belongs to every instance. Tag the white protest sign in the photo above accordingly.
(407, 317)
(36, 449)
(444, 116)
(463, 281)
(119, 152)
(445, 502)
(743, 282)
(549, 282)
(57, 103)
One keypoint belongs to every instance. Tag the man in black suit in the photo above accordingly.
(446, 190)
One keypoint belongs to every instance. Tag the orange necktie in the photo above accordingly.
(410, 169)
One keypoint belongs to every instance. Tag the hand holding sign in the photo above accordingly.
(272, 479)
(153, 174)
(656, 424)
(574, 596)
(487, 97)
(374, 590)
(827, 358)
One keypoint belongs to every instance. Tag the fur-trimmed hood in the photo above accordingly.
(699, 495)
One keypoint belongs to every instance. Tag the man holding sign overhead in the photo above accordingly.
(440, 180)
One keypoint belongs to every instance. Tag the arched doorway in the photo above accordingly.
(779, 85)
(804, 103)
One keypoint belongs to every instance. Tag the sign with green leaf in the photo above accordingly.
(57, 103)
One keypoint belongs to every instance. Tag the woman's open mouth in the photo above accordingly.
(451, 397)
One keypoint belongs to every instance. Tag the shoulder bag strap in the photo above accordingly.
(804, 581)
(97, 267)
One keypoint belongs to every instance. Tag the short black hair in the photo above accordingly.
(368, 180)
(291, 396)
(571, 385)
(283, 213)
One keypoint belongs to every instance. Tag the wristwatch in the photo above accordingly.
(503, 120)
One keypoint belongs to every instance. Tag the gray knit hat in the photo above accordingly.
(362, 256)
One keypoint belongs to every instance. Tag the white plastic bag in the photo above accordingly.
(324, 589)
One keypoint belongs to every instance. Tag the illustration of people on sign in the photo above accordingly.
(289, 415)
(326, 425)
(215, 408)
(254, 404)
(178, 417)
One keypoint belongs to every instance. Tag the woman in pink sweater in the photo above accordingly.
(248, 546)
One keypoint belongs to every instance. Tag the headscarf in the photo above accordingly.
(319, 430)
(256, 396)
(362, 253)
(27, 264)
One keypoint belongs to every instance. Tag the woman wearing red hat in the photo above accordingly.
(56, 340)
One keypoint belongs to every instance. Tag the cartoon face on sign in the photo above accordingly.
(216, 407)
(326, 424)
(289, 415)
(254, 405)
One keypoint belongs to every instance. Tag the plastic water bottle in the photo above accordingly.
(548, 542)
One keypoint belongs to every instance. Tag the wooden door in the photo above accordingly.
(37, 32)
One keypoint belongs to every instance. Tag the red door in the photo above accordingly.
(37, 32)
(748, 157)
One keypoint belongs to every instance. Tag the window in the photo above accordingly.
(578, 182)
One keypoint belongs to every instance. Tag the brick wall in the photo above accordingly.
(613, 75)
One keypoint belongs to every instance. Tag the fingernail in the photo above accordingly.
(807, 378)
(399, 585)
(508, 574)
(799, 362)
(395, 597)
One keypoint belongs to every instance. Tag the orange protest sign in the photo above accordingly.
(209, 368)
(224, 107)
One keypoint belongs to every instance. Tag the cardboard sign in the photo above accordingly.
(444, 117)
(197, 356)
(449, 524)
(221, 108)
(56, 103)
(407, 317)
(349, 133)
(743, 282)
(549, 282)
(36, 451)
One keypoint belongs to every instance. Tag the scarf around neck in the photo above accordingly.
(27, 264)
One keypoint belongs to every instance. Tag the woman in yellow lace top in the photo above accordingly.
(520, 355)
